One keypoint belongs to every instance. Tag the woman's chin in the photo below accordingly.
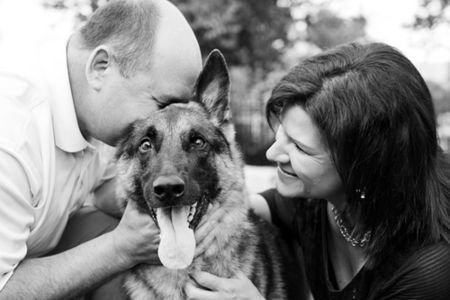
(290, 190)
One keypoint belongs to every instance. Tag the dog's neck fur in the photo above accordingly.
(233, 202)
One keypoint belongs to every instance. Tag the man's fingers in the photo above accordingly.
(131, 207)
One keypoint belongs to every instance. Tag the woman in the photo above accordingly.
(362, 184)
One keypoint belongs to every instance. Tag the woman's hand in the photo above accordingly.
(205, 286)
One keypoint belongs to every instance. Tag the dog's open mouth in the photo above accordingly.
(196, 211)
(177, 223)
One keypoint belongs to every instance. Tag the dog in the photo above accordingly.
(183, 167)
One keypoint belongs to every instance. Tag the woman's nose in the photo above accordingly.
(277, 153)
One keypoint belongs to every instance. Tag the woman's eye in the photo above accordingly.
(299, 148)
(145, 146)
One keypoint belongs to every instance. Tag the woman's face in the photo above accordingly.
(305, 168)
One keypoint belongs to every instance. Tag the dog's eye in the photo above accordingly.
(198, 142)
(145, 145)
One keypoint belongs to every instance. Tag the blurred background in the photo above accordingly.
(262, 39)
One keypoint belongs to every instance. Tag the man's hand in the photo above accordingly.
(136, 237)
(205, 286)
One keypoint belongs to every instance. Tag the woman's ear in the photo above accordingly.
(97, 64)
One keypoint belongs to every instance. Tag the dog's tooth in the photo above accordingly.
(190, 217)
(192, 209)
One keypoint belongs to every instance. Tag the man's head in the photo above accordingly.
(129, 59)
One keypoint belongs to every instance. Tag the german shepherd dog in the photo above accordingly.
(183, 168)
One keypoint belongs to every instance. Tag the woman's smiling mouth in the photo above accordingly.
(285, 172)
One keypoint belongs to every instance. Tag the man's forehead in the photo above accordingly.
(165, 92)
(178, 117)
(173, 76)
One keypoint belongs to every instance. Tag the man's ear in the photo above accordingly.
(97, 64)
(213, 88)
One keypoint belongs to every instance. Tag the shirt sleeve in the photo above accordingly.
(425, 276)
(107, 163)
(16, 214)
(103, 170)
(282, 210)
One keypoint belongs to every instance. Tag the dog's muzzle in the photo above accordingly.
(168, 190)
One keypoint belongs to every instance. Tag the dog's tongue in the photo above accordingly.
(177, 246)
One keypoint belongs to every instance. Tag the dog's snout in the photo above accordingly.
(168, 187)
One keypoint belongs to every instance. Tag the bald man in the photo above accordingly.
(130, 59)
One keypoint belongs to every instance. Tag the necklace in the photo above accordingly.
(361, 242)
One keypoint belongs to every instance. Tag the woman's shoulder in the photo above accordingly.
(297, 215)
(430, 261)
(441, 250)
(423, 274)
(299, 208)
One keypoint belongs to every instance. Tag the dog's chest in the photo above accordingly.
(154, 282)
(160, 283)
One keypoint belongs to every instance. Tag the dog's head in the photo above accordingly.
(172, 163)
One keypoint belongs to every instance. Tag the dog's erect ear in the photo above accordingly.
(213, 88)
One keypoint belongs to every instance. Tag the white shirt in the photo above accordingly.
(47, 168)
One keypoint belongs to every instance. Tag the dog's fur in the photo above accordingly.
(195, 143)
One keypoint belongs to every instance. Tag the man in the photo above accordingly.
(129, 59)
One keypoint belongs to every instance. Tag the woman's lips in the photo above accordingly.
(285, 172)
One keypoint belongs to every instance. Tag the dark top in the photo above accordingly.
(422, 274)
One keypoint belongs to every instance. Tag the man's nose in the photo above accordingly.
(277, 152)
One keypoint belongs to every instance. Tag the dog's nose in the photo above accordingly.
(168, 187)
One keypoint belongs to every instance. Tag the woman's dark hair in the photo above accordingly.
(376, 114)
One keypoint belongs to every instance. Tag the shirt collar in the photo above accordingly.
(67, 133)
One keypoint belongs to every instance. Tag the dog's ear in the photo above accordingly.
(213, 88)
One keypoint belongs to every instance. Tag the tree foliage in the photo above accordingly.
(327, 30)
(441, 97)
(432, 13)
(248, 32)
(81, 8)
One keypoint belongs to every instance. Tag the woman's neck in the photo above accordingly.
(347, 260)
